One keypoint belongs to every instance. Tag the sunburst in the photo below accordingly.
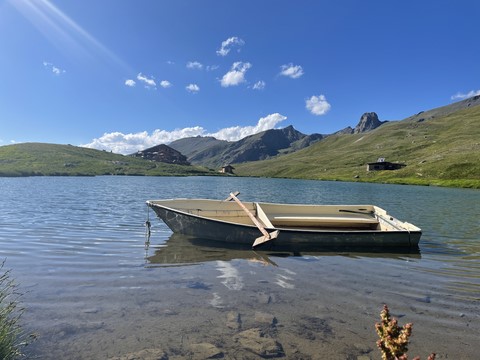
(64, 33)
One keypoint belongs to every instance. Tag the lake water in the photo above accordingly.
(95, 289)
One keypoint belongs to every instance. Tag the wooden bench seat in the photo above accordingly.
(323, 221)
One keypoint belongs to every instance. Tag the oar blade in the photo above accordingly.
(232, 195)
(264, 239)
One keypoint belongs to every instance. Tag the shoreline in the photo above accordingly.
(436, 182)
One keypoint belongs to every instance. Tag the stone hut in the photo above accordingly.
(227, 169)
(381, 164)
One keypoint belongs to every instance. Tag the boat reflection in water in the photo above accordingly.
(184, 250)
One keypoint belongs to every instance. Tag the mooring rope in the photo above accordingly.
(148, 225)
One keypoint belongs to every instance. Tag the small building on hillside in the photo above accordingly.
(227, 169)
(381, 164)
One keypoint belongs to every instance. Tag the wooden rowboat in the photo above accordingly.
(285, 224)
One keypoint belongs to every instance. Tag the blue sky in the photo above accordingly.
(126, 75)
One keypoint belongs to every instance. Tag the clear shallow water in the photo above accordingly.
(96, 290)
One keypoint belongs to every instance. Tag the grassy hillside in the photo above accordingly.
(441, 150)
(193, 147)
(36, 159)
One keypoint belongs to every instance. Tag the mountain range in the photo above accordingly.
(439, 147)
(210, 152)
(214, 153)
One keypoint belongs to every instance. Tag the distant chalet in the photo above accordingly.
(381, 164)
(163, 153)
(227, 169)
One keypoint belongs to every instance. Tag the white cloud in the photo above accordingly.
(236, 75)
(228, 44)
(193, 88)
(165, 84)
(149, 82)
(194, 65)
(212, 67)
(130, 82)
(57, 71)
(235, 133)
(459, 96)
(259, 85)
(292, 71)
(54, 69)
(318, 105)
(130, 143)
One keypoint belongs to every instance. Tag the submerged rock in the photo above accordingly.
(254, 341)
(264, 318)
(205, 351)
(234, 320)
(146, 354)
(264, 298)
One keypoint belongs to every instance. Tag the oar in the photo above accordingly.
(266, 235)
(236, 193)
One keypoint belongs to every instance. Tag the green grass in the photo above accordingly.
(38, 159)
(12, 338)
(443, 151)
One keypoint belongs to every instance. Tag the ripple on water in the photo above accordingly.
(94, 290)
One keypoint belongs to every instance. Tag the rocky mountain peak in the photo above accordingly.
(368, 121)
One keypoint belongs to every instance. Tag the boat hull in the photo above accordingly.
(230, 232)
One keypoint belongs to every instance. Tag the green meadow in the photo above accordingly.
(39, 159)
(440, 151)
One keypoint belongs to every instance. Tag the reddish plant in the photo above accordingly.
(393, 341)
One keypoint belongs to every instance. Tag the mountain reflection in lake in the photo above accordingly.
(95, 289)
